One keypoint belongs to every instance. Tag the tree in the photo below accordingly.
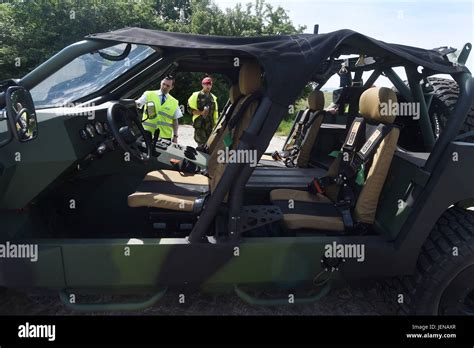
(173, 11)
(34, 30)
(258, 18)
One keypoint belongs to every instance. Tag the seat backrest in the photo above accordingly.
(234, 95)
(250, 82)
(370, 104)
(315, 118)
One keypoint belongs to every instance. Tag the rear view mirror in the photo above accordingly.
(21, 114)
(150, 110)
(113, 53)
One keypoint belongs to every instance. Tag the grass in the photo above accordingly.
(285, 127)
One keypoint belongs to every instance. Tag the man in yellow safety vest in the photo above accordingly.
(161, 111)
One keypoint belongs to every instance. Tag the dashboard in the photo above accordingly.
(90, 135)
(94, 129)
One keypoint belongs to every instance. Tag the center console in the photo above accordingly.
(167, 152)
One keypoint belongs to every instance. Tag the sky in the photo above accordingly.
(425, 24)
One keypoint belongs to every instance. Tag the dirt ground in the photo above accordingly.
(186, 134)
(346, 301)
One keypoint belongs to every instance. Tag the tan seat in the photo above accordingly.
(305, 203)
(172, 190)
(177, 191)
(303, 210)
(311, 135)
(307, 128)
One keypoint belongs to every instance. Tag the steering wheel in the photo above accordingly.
(22, 121)
(127, 129)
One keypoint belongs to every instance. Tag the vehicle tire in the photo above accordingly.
(446, 94)
(443, 282)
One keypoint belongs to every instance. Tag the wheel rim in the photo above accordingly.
(458, 297)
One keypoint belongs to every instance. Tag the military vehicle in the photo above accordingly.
(379, 186)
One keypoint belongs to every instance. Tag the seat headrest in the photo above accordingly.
(376, 104)
(234, 93)
(250, 79)
(316, 100)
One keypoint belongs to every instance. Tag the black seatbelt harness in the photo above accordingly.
(306, 127)
(351, 144)
(289, 155)
(232, 123)
(351, 173)
(298, 129)
(257, 96)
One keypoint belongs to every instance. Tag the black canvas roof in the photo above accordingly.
(288, 60)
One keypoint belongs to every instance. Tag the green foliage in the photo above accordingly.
(34, 30)
(258, 18)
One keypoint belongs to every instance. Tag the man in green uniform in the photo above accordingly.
(203, 106)
(161, 111)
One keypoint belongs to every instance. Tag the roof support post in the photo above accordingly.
(425, 122)
(399, 84)
(372, 78)
(229, 177)
(264, 132)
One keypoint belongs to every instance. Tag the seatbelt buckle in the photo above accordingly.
(314, 187)
(318, 185)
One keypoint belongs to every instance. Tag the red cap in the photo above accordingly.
(206, 81)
